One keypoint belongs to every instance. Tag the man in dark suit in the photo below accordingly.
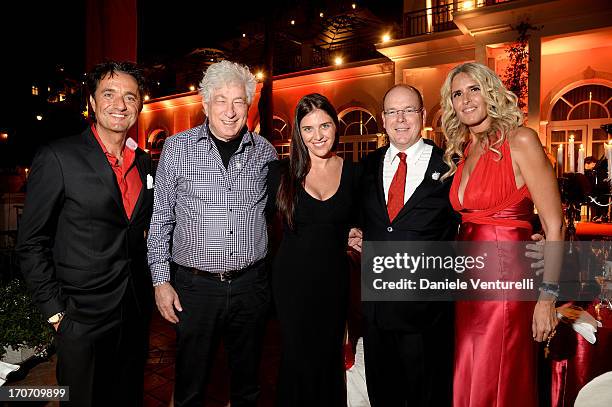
(407, 345)
(82, 244)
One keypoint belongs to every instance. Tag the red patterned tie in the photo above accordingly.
(395, 202)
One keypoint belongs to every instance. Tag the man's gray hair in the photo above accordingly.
(224, 73)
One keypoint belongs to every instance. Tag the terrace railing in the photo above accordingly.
(440, 17)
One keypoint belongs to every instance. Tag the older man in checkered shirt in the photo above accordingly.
(208, 218)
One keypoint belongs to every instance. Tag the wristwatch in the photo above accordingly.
(54, 319)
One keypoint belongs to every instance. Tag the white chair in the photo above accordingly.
(357, 391)
(596, 393)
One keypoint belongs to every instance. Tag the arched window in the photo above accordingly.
(584, 103)
(281, 135)
(357, 121)
(358, 133)
(580, 112)
(155, 142)
(281, 131)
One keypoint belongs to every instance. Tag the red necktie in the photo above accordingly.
(395, 201)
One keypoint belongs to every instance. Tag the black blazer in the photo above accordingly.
(426, 216)
(77, 248)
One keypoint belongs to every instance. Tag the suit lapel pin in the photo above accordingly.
(435, 176)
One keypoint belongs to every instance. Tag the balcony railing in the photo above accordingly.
(289, 60)
(351, 148)
(440, 17)
(351, 51)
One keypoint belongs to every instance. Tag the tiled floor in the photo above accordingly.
(159, 371)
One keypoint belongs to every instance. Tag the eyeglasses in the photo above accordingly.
(405, 112)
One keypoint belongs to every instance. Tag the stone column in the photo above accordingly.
(480, 51)
(535, 69)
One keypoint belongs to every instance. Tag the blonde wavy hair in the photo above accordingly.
(501, 108)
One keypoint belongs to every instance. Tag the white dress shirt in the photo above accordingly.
(417, 160)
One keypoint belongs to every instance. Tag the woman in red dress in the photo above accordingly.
(502, 172)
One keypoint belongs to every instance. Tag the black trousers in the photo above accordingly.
(235, 311)
(409, 369)
(103, 364)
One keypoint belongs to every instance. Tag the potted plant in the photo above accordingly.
(24, 333)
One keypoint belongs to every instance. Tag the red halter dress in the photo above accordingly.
(495, 355)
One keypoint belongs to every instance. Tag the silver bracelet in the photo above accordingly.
(552, 289)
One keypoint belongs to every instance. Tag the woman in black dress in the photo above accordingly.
(314, 192)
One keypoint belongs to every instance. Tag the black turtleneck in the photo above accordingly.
(227, 148)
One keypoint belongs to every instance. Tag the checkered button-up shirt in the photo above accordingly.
(213, 215)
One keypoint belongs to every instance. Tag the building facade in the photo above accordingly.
(569, 74)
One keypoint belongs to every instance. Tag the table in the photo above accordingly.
(593, 230)
(576, 362)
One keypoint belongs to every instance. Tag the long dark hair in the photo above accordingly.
(293, 176)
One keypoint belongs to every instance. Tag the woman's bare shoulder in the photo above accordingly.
(524, 139)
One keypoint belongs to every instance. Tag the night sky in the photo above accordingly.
(175, 31)
(35, 38)
(38, 37)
